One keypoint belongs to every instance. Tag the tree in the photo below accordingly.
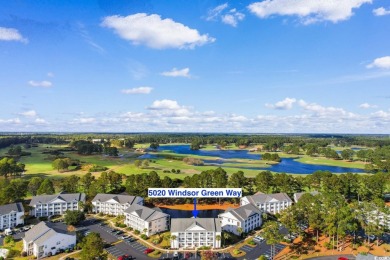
(195, 144)
(73, 217)
(92, 247)
(145, 163)
(237, 180)
(272, 235)
(16, 190)
(61, 164)
(137, 163)
(154, 146)
(347, 154)
(264, 181)
(46, 187)
(239, 230)
(34, 185)
(70, 184)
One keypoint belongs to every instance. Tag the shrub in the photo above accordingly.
(178, 171)
(100, 214)
(236, 252)
(251, 242)
(137, 232)
(173, 171)
(130, 228)
(144, 237)
(24, 254)
(9, 239)
(42, 218)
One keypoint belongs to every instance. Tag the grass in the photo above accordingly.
(331, 162)
(39, 164)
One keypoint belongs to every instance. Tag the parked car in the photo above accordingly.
(125, 257)
(124, 237)
(148, 251)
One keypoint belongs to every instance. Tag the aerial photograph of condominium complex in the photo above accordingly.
(198, 130)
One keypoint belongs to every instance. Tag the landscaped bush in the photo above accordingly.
(42, 218)
(178, 171)
(9, 239)
(204, 248)
(137, 232)
(144, 237)
(100, 214)
(130, 228)
(97, 168)
(236, 252)
(24, 254)
(251, 242)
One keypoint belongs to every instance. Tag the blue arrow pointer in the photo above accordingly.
(195, 212)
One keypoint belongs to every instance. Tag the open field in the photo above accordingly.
(331, 162)
(39, 164)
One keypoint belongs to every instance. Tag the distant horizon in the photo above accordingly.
(193, 133)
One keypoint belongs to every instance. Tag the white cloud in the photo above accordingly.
(50, 74)
(169, 108)
(43, 84)
(215, 12)
(382, 63)
(29, 113)
(322, 111)
(10, 121)
(11, 34)
(367, 106)
(309, 11)
(165, 104)
(231, 17)
(177, 73)
(155, 32)
(285, 104)
(381, 11)
(40, 121)
(140, 90)
(381, 114)
(86, 120)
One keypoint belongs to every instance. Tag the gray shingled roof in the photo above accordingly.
(183, 224)
(145, 213)
(298, 195)
(67, 197)
(121, 199)
(6, 209)
(244, 212)
(265, 198)
(44, 230)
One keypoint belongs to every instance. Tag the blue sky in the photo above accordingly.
(273, 66)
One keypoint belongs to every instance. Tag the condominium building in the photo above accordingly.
(271, 203)
(57, 204)
(11, 215)
(146, 220)
(46, 239)
(195, 232)
(298, 195)
(114, 204)
(246, 218)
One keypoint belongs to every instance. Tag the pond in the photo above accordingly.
(175, 213)
(288, 165)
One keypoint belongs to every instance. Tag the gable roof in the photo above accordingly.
(243, 212)
(298, 195)
(185, 224)
(121, 199)
(67, 197)
(8, 208)
(265, 198)
(145, 213)
(44, 230)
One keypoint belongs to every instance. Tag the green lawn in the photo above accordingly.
(39, 164)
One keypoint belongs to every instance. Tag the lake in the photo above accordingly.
(288, 165)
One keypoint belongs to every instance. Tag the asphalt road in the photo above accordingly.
(334, 257)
